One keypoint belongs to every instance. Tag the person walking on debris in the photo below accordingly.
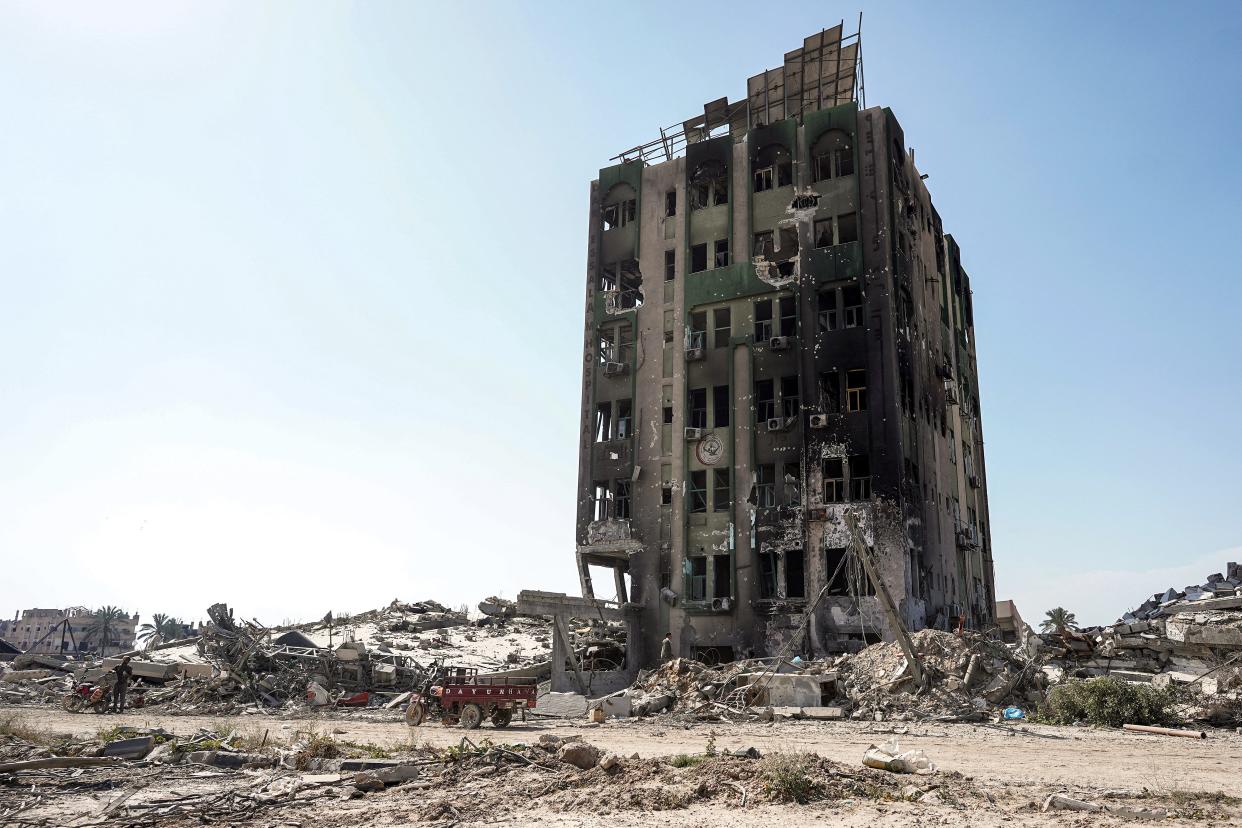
(666, 648)
(123, 672)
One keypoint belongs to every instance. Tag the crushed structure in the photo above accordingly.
(778, 333)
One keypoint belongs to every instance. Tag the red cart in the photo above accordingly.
(460, 694)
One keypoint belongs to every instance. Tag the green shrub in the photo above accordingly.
(1106, 701)
(685, 760)
(787, 777)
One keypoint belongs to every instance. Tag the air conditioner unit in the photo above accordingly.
(819, 421)
(776, 424)
(720, 604)
(779, 343)
(694, 434)
(693, 354)
(612, 369)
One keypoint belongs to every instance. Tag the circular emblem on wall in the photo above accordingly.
(710, 450)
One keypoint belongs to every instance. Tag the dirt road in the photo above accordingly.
(1061, 756)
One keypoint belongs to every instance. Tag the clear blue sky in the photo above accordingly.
(292, 291)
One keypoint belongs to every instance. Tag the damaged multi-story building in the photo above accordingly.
(779, 333)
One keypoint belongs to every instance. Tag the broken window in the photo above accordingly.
(698, 578)
(789, 242)
(789, 316)
(773, 168)
(722, 577)
(765, 244)
(832, 155)
(599, 500)
(792, 480)
(830, 391)
(603, 422)
(670, 203)
(698, 491)
(722, 252)
(698, 330)
(851, 298)
(763, 320)
(668, 415)
(698, 408)
(789, 397)
(834, 480)
(860, 477)
(828, 320)
(722, 499)
(765, 400)
(767, 574)
(824, 235)
(621, 502)
(795, 575)
(709, 186)
(835, 567)
(847, 228)
(720, 406)
(856, 389)
(698, 258)
(670, 265)
(608, 277)
(722, 325)
(765, 485)
(619, 214)
(666, 496)
(625, 419)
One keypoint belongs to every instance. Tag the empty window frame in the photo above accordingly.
(698, 491)
(698, 578)
(852, 300)
(720, 406)
(834, 480)
(790, 402)
(670, 265)
(697, 336)
(670, 203)
(829, 318)
(773, 167)
(765, 400)
(791, 484)
(709, 185)
(668, 415)
(722, 577)
(765, 244)
(625, 419)
(832, 155)
(722, 253)
(615, 343)
(608, 277)
(767, 574)
(621, 499)
(789, 316)
(765, 485)
(842, 229)
(620, 214)
(603, 422)
(722, 497)
(836, 569)
(599, 500)
(860, 477)
(795, 574)
(830, 391)
(721, 328)
(763, 320)
(698, 408)
(698, 258)
(856, 389)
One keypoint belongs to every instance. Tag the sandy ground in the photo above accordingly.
(1014, 769)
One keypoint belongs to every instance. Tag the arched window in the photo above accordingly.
(620, 206)
(832, 156)
(709, 185)
(773, 167)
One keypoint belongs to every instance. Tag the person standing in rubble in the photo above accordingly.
(666, 648)
(123, 673)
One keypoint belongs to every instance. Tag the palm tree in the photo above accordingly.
(162, 628)
(1058, 619)
(105, 618)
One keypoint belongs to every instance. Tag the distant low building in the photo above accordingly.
(40, 630)
(1012, 627)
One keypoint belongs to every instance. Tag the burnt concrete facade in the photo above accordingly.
(777, 331)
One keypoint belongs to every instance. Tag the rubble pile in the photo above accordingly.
(1189, 639)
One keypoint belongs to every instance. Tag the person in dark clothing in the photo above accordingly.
(123, 673)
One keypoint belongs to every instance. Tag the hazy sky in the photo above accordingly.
(292, 291)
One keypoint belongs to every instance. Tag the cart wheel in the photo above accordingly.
(471, 716)
(501, 716)
(415, 714)
(73, 702)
